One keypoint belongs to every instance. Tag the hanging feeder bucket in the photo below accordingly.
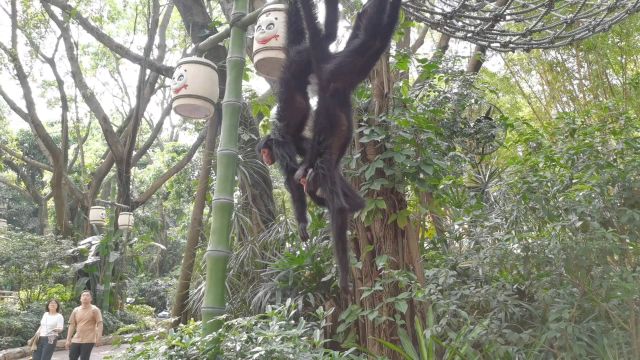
(125, 221)
(269, 40)
(3, 225)
(97, 215)
(194, 88)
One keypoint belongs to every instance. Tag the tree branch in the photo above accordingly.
(419, 40)
(98, 176)
(33, 191)
(109, 42)
(75, 191)
(14, 107)
(81, 141)
(171, 172)
(15, 187)
(26, 159)
(32, 116)
(153, 136)
(115, 145)
(64, 102)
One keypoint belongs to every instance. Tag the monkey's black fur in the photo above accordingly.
(286, 140)
(338, 75)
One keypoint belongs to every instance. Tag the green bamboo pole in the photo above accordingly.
(219, 247)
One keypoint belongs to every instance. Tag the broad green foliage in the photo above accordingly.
(16, 326)
(22, 213)
(303, 272)
(547, 266)
(279, 333)
(31, 264)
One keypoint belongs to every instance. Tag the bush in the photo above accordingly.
(111, 323)
(30, 263)
(156, 293)
(16, 327)
(10, 342)
(61, 293)
(135, 318)
(133, 328)
(279, 333)
(140, 310)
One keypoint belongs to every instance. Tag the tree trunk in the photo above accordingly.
(219, 249)
(43, 217)
(63, 226)
(256, 189)
(383, 238)
(477, 59)
(186, 270)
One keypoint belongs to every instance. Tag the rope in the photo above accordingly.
(520, 24)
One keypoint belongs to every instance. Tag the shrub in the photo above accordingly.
(30, 263)
(156, 293)
(140, 310)
(110, 323)
(138, 327)
(16, 326)
(279, 333)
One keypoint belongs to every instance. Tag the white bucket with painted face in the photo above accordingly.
(269, 41)
(97, 215)
(194, 88)
(125, 221)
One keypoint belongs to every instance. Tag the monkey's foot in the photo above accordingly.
(302, 230)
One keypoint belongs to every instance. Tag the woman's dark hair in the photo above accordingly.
(46, 306)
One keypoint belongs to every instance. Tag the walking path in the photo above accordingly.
(98, 353)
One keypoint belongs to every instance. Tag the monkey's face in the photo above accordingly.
(267, 156)
(179, 80)
(266, 29)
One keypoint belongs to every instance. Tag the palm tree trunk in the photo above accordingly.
(186, 270)
(219, 249)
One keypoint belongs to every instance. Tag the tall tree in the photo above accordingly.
(179, 310)
(56, 154)
(121, 140)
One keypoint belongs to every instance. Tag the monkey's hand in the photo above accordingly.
(311, 185)
(302, 230)
(301, 174)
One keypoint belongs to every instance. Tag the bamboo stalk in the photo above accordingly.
(219, 247)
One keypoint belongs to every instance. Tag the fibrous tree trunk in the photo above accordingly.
(179, 310)
(256, 188)
(383, 238)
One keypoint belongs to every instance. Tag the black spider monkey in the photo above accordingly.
(286, 140)
(338, 75)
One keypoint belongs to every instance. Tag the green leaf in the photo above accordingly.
(395, 348)
(401, 306)
(407, 344)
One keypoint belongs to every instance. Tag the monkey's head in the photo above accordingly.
(265, 149)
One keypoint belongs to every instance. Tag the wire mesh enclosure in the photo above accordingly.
(508, 25)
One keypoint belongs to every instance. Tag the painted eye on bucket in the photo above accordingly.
(179, 78)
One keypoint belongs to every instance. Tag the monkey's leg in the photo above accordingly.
(313, 188)
(285, 154)
(299, 201)
(354, 201)
(339, 217)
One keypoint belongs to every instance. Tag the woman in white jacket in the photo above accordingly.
(50, 326)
